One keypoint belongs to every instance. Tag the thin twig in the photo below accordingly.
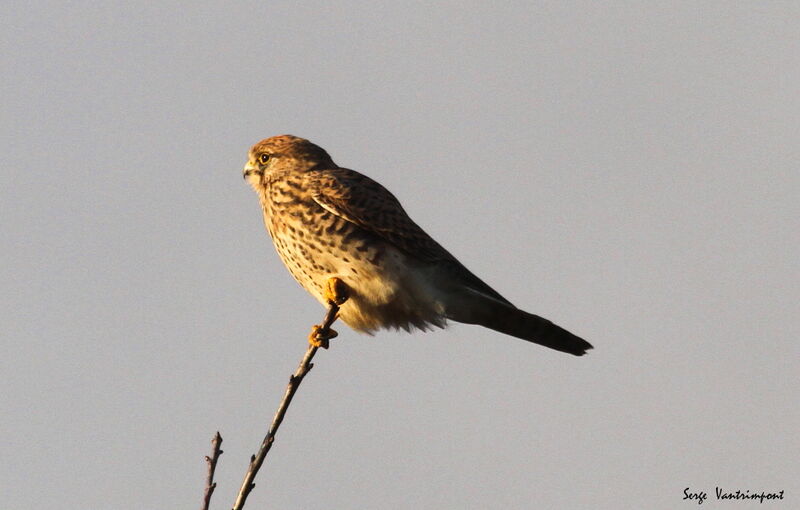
(216, 442)
(294, 382)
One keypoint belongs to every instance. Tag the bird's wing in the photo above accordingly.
(364, 202)
(360, 200)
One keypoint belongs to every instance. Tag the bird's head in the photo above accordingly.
(283, 154)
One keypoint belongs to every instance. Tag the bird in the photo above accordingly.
(347, 240)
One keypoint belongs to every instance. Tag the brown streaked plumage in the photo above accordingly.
(331, 222)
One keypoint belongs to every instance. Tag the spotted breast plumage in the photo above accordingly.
(334, 224)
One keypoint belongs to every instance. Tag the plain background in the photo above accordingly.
(628, 170)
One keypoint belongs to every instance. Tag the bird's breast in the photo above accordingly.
(316, 244)
(386, 288)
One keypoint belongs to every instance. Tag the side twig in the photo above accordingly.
(216, 442)
(294, 382)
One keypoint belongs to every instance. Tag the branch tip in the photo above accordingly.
(294, 382)
(212, 466)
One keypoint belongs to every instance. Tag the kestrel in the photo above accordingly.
(346, 239)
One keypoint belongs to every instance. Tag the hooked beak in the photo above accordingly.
(249, 168)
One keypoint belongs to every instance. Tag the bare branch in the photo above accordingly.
(216, 442)
(294, 382)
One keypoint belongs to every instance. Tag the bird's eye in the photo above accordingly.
(264, 158)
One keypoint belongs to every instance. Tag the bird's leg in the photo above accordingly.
(336, 293)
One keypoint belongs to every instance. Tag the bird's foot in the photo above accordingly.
(336, 291)
(320, 338)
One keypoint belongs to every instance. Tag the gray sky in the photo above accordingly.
(628, 171)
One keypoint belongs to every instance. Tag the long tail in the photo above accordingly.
(506, 318)
(524, 325)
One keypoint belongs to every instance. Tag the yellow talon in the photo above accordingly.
(336, 291)
(318, 339)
